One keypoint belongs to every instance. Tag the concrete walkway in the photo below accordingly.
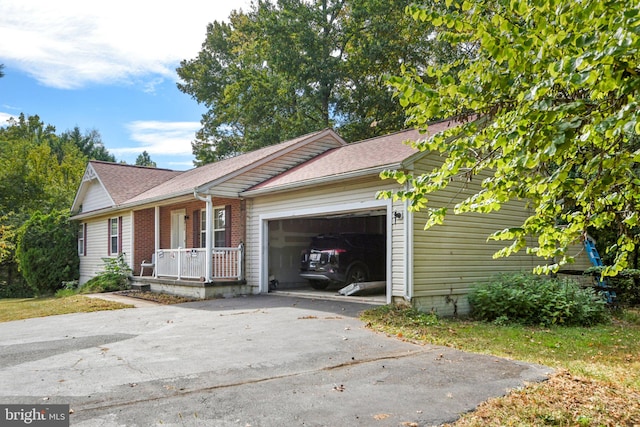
(253, 361)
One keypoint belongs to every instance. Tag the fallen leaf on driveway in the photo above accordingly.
(381, 416)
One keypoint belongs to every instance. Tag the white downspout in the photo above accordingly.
(390, 219)
(132, 239)
(156, 230)
(408, 251)
(208, 235)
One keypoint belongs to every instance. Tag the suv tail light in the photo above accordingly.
(334, 255)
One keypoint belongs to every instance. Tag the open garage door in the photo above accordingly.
(358, 259)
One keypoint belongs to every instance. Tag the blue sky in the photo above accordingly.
(108, 66)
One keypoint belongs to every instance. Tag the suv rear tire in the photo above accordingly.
(357, 274)
(319, 284)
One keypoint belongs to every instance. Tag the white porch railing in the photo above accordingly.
(226, 263)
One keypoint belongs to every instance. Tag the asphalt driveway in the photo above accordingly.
(253, 361)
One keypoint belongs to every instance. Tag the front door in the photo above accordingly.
(178, 229)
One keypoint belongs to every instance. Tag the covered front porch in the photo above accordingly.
(194, 264)
(192, 288)
(192, 247)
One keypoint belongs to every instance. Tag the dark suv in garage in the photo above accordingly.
(344, 258)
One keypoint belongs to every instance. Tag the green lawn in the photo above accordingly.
(598, 379)
(25, 308)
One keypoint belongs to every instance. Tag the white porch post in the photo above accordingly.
(156, 238)
(208, 236)
(209, 240)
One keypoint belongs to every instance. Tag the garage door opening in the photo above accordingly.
(290, 239)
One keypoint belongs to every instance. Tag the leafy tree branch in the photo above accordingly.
(555, 85)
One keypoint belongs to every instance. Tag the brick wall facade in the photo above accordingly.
(143, 238)
(144, 227)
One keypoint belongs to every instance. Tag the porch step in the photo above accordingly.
(137, 286)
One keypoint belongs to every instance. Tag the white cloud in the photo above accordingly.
(4, 117)
(70, 43)
(160, 138)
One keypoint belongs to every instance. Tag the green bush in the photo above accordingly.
(537, 300)
(114, 277)
(47, 251)
(16, 288)
(626, 285)
(68, 289)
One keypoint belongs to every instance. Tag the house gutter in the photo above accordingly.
(208, 235)
(125, 206)
(319, 180)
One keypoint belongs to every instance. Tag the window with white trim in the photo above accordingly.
(219, 227)
(114, 238)
(203, 228)
(81, 239)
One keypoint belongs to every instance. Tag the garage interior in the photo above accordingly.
(288, 238)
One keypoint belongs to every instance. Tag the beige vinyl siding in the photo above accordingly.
(399, 272)
(450, 259)
(97, 237)
(127, 236)
(95, 198)
(333, 197)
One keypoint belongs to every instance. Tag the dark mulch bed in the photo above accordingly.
(155, 297)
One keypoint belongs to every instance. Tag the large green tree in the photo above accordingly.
(290, 67)
(90, 143)
(39, 172)
(551, 98)
(144, 159)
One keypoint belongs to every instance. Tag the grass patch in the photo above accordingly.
(26, 308)
(598, 379)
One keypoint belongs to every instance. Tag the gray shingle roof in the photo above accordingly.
(186, 182)
(371, 154)
(128, 184)
(123, 182)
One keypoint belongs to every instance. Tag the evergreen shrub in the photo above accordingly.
(47, 251)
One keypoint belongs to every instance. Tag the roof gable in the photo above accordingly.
(370, 156)
(114, 183)
(205, 177)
